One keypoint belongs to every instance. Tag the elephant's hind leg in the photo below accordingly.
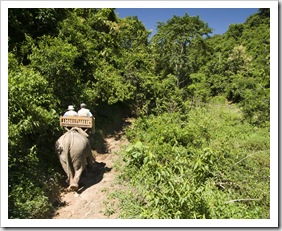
(75, 181)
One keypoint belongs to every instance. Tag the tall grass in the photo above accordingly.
(205, 163)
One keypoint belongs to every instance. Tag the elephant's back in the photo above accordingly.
(78, 138)
(73, 141)
(79, 143)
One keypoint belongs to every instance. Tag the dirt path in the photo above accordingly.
(89, 201)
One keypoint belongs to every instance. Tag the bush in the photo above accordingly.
(33, 129)
(207, 164)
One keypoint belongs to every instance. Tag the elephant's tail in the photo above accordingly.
(70, 170)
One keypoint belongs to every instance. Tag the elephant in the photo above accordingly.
(74, 151)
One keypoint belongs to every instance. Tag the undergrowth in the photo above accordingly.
(205, 163)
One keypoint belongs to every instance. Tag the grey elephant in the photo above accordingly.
(74, 152)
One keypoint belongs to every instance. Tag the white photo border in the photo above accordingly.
(272, 222)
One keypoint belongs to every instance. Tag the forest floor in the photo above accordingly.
(92, 200)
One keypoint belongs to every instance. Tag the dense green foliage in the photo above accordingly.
(191, 155)
(33, 127)
(194, 165)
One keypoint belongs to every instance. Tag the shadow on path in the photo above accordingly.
(93, 176)
(109, 121)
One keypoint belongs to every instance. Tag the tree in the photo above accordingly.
(238, 60)
(174, 42)
(32, 132)
(239, 69)
(34, 23)
(54, 58)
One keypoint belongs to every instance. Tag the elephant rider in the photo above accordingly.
(86, 112)
(70, 111)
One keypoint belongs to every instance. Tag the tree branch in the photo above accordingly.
(247, 157)
(238, 200)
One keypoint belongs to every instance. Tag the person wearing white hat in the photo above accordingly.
(70, 111)
(84, 111)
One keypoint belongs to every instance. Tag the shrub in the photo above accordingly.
(207, 164)
(33, 129)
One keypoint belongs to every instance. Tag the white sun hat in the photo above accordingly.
(70, 107)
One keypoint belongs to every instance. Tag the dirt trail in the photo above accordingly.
(89, 201)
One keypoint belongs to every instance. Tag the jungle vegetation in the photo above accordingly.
(200, 142)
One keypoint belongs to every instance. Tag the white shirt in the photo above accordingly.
(70, 113)
(84, 112)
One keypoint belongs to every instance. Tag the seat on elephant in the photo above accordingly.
(77, 121)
